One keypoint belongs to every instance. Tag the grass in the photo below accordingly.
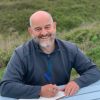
(2, 72)
(68, 14)
(87, 37)
(77, 21)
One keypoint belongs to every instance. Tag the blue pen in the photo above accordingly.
(47, 77)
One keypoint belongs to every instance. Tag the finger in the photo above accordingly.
(55, 86)
(67, 91)
(73, 91)
(52, 90)
(51, 94)
(55, 89)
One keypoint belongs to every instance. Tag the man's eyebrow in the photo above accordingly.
(37, 27)
(48, 25)
(40, 27)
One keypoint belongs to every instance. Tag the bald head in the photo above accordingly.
(43, 30)
(40, 16)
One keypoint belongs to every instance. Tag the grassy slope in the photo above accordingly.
(78, 20)
(69, 14)
(87, 38)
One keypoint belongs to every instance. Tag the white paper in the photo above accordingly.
(60, 94)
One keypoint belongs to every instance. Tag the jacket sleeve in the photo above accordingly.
(88, 71)
(12, 84)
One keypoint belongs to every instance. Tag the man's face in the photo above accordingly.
(43, 32)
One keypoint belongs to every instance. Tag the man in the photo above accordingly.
(39, 66)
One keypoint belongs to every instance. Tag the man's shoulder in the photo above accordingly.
(66, 44)
(25, 47)
(68, 47)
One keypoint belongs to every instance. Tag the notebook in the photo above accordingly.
(59, 95)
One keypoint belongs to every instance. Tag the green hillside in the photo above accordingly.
(77, 21)
(87, 38)
(69, 14)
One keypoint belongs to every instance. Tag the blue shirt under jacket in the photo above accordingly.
(29, 68)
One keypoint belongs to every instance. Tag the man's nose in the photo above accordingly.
(43, 32)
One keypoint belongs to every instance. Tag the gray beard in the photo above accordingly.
(43, 44)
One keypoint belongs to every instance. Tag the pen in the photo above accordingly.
(47, 77)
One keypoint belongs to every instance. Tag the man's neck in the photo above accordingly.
(48, 49)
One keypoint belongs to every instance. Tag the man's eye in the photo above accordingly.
(47, 27)
(38, 29)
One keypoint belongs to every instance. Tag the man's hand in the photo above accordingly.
(49, 90)
(71, 88)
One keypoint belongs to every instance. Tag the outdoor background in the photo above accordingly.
(78, 21)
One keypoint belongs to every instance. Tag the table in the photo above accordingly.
(91, 92)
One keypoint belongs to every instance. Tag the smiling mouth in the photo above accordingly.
(44, 37)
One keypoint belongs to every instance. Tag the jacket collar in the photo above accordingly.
(57, 46)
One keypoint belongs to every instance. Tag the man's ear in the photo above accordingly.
(30, 31)
(54, 23)
(54, 26)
